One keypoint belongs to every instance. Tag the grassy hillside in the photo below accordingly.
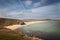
(7, 34)
(7, 22)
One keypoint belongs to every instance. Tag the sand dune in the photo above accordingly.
(13, 27)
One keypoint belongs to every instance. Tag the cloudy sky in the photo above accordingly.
(30, 9)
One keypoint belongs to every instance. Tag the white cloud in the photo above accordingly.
(50, 11)
(28, 2)
(3, 11)
(47, 9)
(43, 1)
(37, 4)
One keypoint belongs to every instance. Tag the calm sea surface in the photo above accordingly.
(49, 30)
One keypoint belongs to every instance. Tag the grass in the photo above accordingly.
(7, 34)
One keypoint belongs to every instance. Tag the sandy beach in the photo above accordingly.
(13, 27)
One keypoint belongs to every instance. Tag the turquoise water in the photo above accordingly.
(50, 26)
(47, 30)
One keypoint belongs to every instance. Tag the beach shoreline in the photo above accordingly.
(13, 27)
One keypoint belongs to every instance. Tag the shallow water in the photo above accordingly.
(45, 30)
(50, 26)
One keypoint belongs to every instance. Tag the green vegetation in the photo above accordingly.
(7, 34)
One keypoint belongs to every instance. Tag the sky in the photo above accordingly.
(30, 9)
